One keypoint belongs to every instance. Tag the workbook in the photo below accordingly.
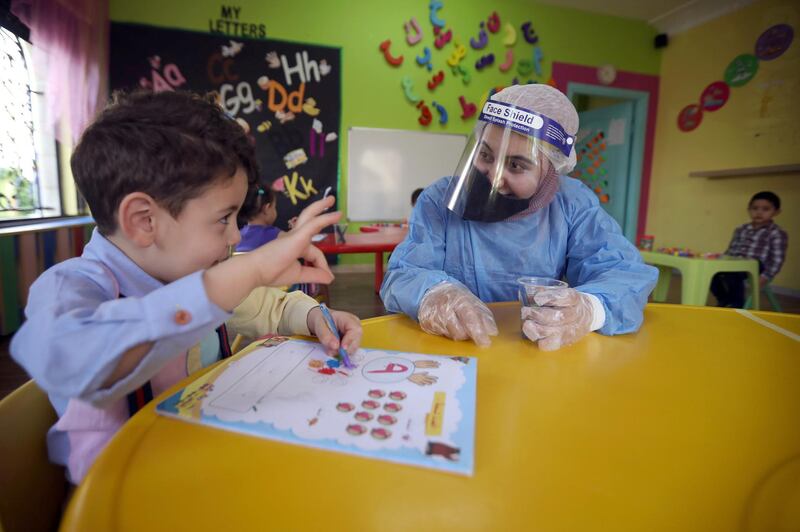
(400, 407)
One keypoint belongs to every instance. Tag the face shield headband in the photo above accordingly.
(528, 123)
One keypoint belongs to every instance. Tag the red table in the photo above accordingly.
(377, 243)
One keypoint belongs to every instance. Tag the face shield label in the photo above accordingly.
(528, 123)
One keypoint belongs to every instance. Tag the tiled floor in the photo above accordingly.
(352, 292)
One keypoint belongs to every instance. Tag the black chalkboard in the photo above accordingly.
(288, 95)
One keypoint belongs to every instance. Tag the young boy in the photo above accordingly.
(165, 175)
(761, 239)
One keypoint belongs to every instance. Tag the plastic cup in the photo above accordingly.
(530, 286)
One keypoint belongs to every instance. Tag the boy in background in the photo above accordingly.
(761, 239)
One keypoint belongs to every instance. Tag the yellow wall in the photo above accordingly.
(758, 126)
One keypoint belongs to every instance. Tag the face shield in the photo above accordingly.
(509, 156)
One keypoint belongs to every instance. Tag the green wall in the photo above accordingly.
(372, 93)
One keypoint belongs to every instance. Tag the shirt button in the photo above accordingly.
(182, 317)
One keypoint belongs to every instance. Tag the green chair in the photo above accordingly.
(773, 301)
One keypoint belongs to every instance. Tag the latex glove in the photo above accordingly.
(564, 316)
(349, 328)
(453, 311)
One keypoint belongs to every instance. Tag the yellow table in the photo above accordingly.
(696, 275)
(689, 425)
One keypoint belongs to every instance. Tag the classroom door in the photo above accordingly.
(603, 147)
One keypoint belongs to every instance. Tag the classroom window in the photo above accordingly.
(29, 184)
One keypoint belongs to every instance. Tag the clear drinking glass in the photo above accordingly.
(530, 286)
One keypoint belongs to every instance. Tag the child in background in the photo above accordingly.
(761, 239)
(415, 195)
(258, 219)
(147, 302)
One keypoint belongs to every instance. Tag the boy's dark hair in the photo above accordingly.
(769, 196)
(257, 197)
(169, 145)
(415, 195)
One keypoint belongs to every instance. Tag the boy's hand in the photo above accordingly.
(762, 281)
(349, 328)
(275, 263)
(277, 260)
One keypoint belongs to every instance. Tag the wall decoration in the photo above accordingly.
(408, 89)
(690, 117)
(463, 73)
(741, 70)
(774, 41)
(589, 166)
(459, 51)
(230, 24)
(511, 35)
(529, 34)
(425, 58)
(714, 96)
(485, 61)
(442, 38)
(442, 113)
(286, 95)
(493, 24)
(468, 109)
(444, 44)
(435, 6)
(482, 40)
(771, 44)
(606, 74)
(413, 31)
(394, 61)
(425, 116)
(509, 62)
(436, 80)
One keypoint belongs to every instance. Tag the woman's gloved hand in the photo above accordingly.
(451, 310)
(563, 317)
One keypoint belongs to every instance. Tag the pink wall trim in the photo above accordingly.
(564, 73)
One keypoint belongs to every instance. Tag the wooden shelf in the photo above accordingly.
(755, 170)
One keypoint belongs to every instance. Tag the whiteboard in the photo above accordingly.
(384, 166)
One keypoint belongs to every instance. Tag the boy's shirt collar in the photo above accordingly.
(131, 279)
(750, 225)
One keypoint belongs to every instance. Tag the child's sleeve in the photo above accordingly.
(778, 244)
(77, 330)
(269, 310)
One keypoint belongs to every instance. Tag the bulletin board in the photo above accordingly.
(386, 165)
(287, 95)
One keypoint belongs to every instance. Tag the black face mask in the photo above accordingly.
(478, 207)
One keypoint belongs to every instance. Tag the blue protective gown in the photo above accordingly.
(572, 238)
